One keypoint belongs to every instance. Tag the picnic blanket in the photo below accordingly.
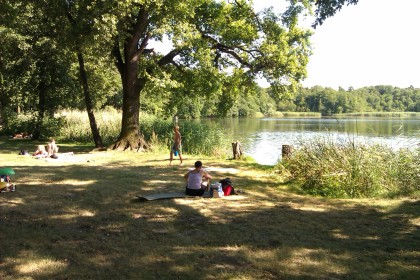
(158, 196)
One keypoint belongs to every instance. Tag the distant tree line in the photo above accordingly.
(328, 101)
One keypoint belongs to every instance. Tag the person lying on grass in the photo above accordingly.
(195, 184)
(40, 152)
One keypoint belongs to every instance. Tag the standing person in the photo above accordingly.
(176, 147)
(195, 184)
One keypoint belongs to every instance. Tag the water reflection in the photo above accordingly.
(262, 138)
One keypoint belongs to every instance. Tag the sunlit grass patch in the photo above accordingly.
(31, 264)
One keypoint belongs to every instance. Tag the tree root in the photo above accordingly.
(136, 143)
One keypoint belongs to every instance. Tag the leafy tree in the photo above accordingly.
(39, 81)
(209, 39)
(328, 8)
(214, 45)
(266, 104)
(61, 35)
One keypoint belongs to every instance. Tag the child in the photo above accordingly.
(40, 152)
(6, 185)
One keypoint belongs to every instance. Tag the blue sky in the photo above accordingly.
(375, 42)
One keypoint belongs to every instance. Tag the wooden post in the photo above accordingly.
(237, 150)
(286, 151)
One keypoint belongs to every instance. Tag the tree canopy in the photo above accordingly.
(214, 50)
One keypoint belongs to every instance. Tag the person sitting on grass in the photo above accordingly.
(52, 148)
(195, 184)
(40, 152)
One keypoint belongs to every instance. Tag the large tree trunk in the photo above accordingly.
(130, 138)
(88, 100)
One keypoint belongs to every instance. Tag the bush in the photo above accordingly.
(327, 168)
(26, 123)
(17, 123)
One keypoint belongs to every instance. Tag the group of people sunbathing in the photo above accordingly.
(50, 152)
(41, 152)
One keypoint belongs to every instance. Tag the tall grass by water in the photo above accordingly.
(344, 169)
(278, 114)
(381, 114)
(73, 126)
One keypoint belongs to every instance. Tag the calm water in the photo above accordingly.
(262, 138)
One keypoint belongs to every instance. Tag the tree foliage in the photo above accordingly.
(214, 51)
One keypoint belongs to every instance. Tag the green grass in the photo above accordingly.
(77, 219)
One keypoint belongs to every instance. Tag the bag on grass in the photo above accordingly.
(227, 186)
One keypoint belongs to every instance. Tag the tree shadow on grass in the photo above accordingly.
(76, 222)
(288, 241)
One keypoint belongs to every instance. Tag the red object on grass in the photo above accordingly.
(227, 190)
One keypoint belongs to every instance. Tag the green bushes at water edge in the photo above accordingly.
(346, 170)
(73, 126)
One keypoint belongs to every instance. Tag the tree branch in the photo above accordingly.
(169, 57)
(139, 31)
(228, 50)
(119, 62)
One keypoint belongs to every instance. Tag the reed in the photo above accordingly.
(301, 115)
(200, 138)
(279, 114)
(344, 169)
(381, 114)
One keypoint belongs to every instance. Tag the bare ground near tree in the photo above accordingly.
(79, 219)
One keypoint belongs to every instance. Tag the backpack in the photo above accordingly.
(227, 186)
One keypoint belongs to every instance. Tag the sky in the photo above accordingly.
(375, 42)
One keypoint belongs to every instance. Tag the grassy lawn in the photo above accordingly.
(78, 219)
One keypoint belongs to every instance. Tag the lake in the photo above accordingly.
(262, 138)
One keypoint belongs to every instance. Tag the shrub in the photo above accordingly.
(344, 169)
(26, 123)
(17, 123)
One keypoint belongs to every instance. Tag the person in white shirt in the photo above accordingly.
(198, 180)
